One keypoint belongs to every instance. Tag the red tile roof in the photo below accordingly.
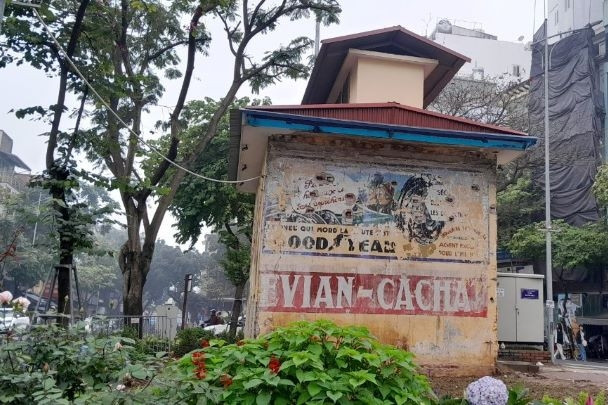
(389, 113)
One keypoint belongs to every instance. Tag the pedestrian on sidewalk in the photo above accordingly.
(559, 341)
(581, 343)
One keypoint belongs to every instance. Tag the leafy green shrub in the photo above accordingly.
(129, 332)
(190, 339)
(225, 336)
(313, 363)
(54, 365)
(151, 346)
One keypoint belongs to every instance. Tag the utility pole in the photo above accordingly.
(187, 288)
(548, 228)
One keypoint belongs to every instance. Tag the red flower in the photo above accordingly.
(204, 343)
(274, 365)
(226, 380)
(198, 358)
(200, 373)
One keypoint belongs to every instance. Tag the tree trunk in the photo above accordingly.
(66, 242)
(58, 172)
(237, 305)
(133, 288)
(134, 261)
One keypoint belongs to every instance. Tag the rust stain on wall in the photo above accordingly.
(404, 249)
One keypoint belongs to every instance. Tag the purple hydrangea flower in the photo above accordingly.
(487, 391)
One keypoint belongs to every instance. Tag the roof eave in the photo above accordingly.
(506, 146)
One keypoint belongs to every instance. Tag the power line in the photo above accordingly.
(124, 124)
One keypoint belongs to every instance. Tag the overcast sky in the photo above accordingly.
(508, 19)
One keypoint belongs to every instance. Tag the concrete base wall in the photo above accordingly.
(530, 356)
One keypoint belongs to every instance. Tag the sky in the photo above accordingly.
(24, 86)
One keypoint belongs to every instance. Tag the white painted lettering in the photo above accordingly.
(289, 292)
(306, 294)
(425, 306)
(461, 299)
(345, 290)
(381, 298)
(324, 293)
(404, 295)
(439, 287)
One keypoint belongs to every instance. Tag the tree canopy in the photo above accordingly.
(572, 246)
(200, 203)
(127, 50)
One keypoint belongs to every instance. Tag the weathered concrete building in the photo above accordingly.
(373, 211)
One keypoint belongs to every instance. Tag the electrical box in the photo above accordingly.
(167, 315)
(520, 308)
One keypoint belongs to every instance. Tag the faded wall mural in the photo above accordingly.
(321, 213)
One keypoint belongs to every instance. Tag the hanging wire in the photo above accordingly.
(124, 124)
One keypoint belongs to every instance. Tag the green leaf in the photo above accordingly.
(304, 376)
(282, 401)
(48, 383)
(334, 396)
(140, 374)
(252, 383)
(263, 398)
(313, 389)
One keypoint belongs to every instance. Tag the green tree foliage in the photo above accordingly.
(27, 42)
(600, 186)
(125, 49)
(519, 204)
(200, 203)
(167, 272)
(27, 243)
(572, 246)
(98, 276)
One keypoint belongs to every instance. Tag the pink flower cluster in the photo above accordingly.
(21, 304)
(5, 297)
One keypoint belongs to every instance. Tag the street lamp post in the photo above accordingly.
(549, 270)
(187, 289)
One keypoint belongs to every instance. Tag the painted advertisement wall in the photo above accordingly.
(402, 249)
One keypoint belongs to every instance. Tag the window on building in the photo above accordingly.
(516, 71)
(566, 4)
(556, 17)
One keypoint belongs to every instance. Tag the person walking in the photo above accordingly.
(581, 343)
(559, 342)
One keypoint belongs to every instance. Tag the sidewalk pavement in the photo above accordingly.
(573, 371)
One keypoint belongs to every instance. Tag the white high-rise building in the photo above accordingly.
(490, 57)
(568, 15)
